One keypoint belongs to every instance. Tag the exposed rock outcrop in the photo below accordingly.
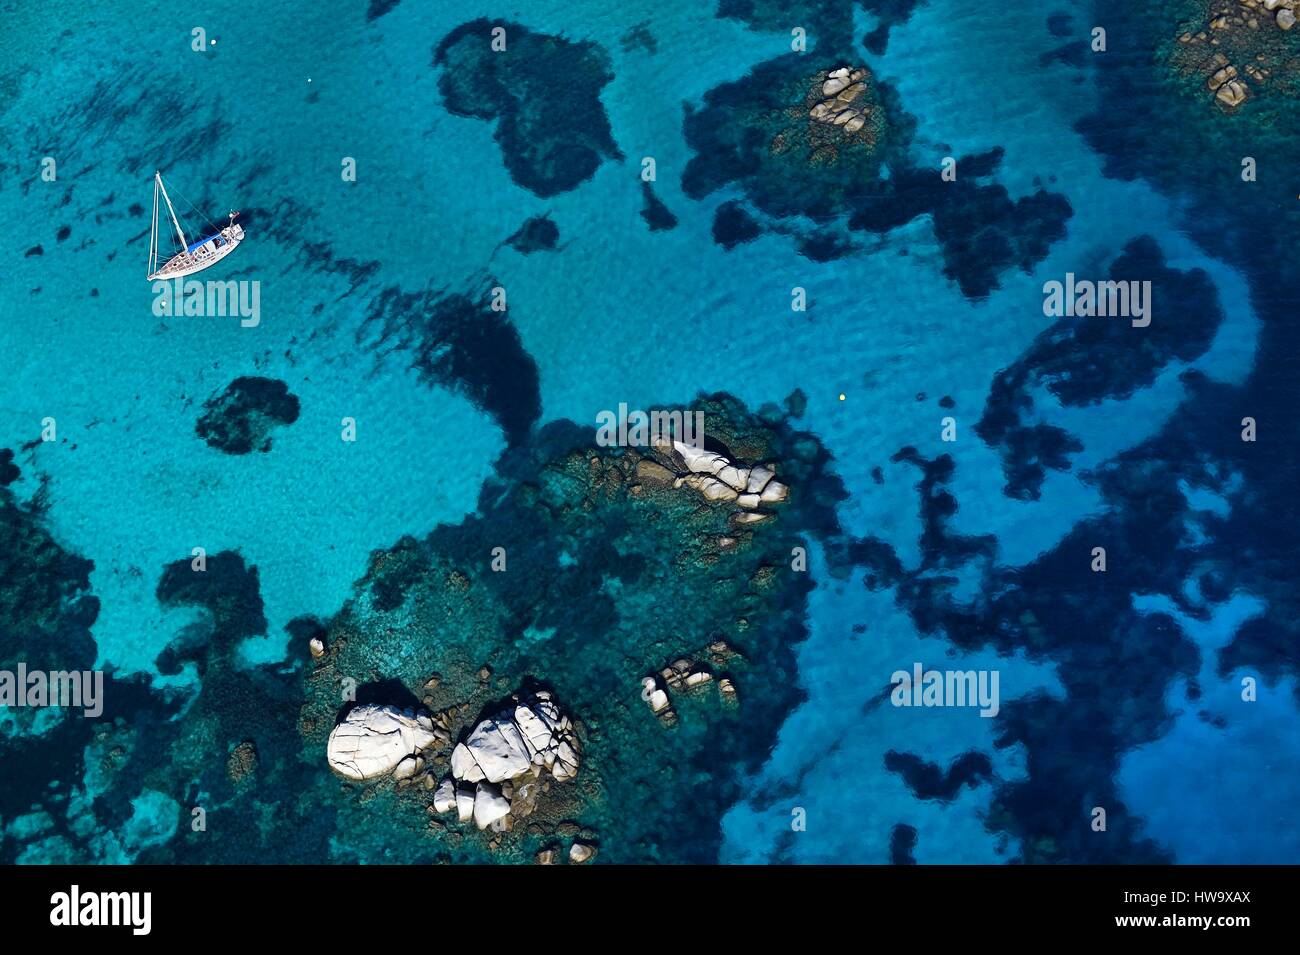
(580, 852)
(494, 769)
(845, 103)
(374, 740)
(1238, 47)
(688, 674)
(717, 480)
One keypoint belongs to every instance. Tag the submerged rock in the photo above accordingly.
(373, 740)
(560, 509)
(242, 761)
(241, 418)
(543, 93)
(538, 234)
(657, 215)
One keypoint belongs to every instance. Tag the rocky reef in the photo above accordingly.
(537, 234)
(1238, 48)
(776, 131)
(832, 17)
(514, 687)
(687, 675)
(550, 602)
(842, 100)
(8, 470)
(1084, 361)
(812, 153)
(241, 418)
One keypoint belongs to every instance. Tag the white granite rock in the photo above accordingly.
(373, 740)
(465, 803)
(717, 479)
(537, 725)
(735, 478)
(408, 767)
(758, 478)
(834, 85)
(489, 805)
(699, 461)
(656, 697)
(444, 797)
(565, 765)
(531, 736)
(495, 751)
(711, 488)
(698, 678)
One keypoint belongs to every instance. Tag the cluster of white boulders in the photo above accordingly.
(1224, 80)
(375, 740)
(684, 675)
(717, 479)
(496, 772)
(843, 104)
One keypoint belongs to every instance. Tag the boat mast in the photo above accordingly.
(184, 242)
(153, 232)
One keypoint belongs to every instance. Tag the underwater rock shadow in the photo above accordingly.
(459, 341)
(542, 92)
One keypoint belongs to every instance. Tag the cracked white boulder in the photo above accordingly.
(465, 798)
(531, 737)
(444, 798)
(495, 751)
(715, 477)
(489, 805)
(372, 740)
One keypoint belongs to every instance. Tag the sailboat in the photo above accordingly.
(193, 256)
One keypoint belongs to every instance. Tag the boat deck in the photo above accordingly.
(201, 255)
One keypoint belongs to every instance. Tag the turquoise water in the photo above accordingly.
(263, 119)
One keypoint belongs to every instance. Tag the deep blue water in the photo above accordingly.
(1121, 690)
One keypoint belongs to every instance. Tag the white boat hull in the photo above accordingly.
(204, 255)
